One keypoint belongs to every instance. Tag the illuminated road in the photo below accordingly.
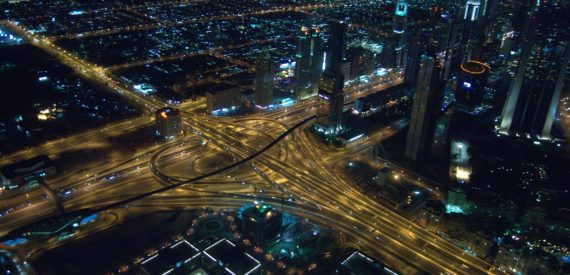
(305, 173)
(90, 136)
(151, 26)
(211, 51)
(297, 166)
(365, 218)
(329, 192)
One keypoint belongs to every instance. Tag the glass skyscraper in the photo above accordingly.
(535, 90)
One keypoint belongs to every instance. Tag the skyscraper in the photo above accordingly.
(536, 87)
(331, 102)
(440, 143)
(331, 93)
(264, 79)
(472, 10)
(335, 49)
(400, 16)
(309, 60)
(400, 20)
(413, 57)
(471, 83)
(489, 7)
(427, 103)
(474, 27)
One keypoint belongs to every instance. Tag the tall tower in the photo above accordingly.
(440, 141)
(309, 60)
(413, 58)
(400, 20)
(535, 90)
(400, 16)
(331, 93)
(471, 83)
(475, 24)
(489, 7)
(264, 79)
(331, 103)
(472, 10)
(335, 49)
(427, 103)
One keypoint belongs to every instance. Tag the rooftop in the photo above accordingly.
(358, 263)
(235, 260)
(169, 259)
(221, 87)
(26, 166)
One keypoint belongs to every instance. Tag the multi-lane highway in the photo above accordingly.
(318, 185)
(304, 172)
(297, 166)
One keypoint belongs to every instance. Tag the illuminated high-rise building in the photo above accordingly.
(400, 20)
(426, 106)
(309, 62)
(472, 10)
(400, 16)
(413, 56)
(535, 90)
(264, 79)
(331, 93)
(168, 122)
(331, 103)
(335, 49)
(471, 82)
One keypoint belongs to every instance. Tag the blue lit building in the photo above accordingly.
(470, 87)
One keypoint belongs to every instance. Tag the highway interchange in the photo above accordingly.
(296, 173)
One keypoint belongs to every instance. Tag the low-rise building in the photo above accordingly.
(180, 258)
(359, 264)
(224, 257)
(18, 175)
(168, 122)
(223, 98)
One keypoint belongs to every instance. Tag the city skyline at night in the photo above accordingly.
(284, 137)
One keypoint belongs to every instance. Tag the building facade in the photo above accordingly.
(309, 62)
(264, 74)
(472, 10)
(168, 122)
(471, 82)
(400, 21)
(223, 98)
(23, 174)
(331, 103)
(427, 103)
(535, 90)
